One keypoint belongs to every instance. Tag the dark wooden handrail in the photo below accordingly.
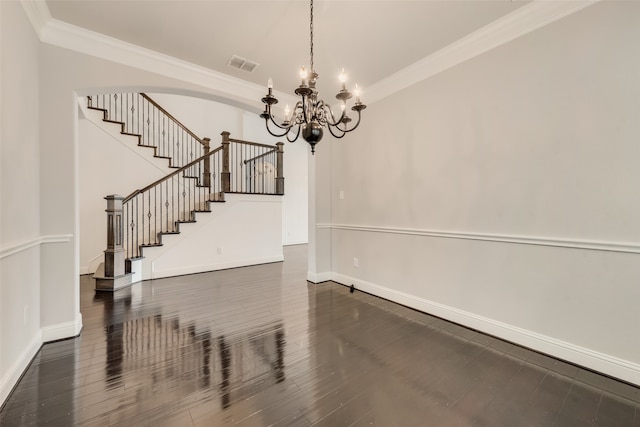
(182, 169)
(260, 156)
(255, 144)
(160, 207)
(176, 121)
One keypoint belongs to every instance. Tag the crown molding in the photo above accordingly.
(525, 19)
(38, 13)
(522, 21)
(78, 39)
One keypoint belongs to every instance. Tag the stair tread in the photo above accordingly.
(98, 109)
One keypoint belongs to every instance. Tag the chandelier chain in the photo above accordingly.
(311, 34)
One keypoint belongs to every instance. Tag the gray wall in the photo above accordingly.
(20, 236)
(500, 192)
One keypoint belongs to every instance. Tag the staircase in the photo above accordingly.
(198, 176)
(140, 116)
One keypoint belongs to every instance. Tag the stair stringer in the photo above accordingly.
(130, 141)
(245, 230)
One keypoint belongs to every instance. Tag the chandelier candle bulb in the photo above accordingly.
(303, 76)
(343, 80)
(287, 113)
(270, 86)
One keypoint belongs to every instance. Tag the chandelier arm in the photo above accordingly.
(345, 130)
(286, 130)
(299, 120)
(297, 112)
(294, 138)
(338, 136)
(335, 122)
(292, 122)
(357, 123)
(277, 125)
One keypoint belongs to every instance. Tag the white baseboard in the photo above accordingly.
(318, 277)
(295, 242)
(62, 330)
(14, 373)
(193, 269)
(604, 363)
(44, 335)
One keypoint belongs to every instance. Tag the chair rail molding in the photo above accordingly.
(23, 246)
(627, 247)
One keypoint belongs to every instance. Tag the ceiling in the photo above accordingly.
(370, 39)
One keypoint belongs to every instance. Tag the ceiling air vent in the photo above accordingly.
(242, 63)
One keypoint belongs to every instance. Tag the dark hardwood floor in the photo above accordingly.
(258, 346)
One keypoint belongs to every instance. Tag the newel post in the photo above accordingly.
(280, 168)
(206, 175)
(226, 174)
(113, 276)
(114, 254)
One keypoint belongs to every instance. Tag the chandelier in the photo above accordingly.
(310, 114)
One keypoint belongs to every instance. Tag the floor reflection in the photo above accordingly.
(250, 363)
(161, 351)
(162, 346)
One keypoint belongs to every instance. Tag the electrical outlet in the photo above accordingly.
(341, 194)
(220, 251)
(356, 262)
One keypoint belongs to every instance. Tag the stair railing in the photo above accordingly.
(161, 207)
(255, 168)
(143, 217)
(141, 116)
